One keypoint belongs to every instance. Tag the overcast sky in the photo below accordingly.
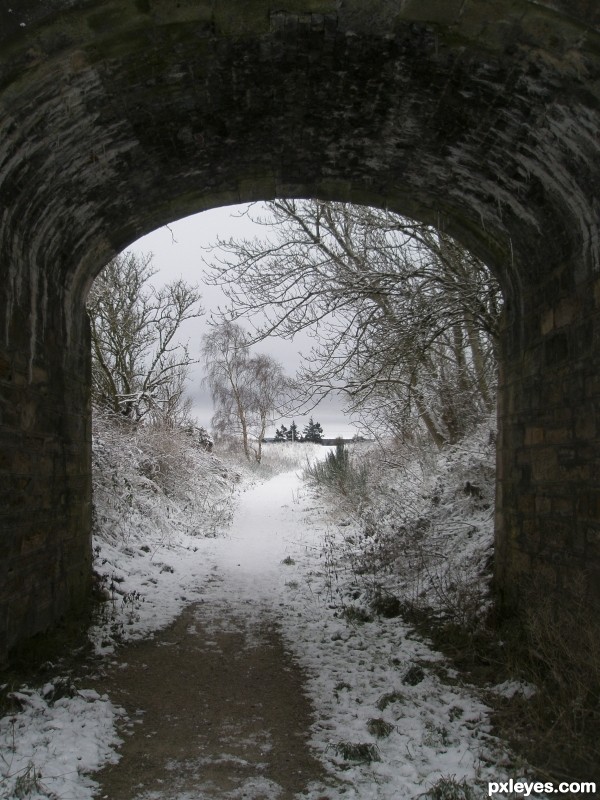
(178, 253)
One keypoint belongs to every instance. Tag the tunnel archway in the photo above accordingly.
(121, 115)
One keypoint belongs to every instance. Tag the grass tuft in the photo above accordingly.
(28, 782)
(448, 788)
(380, 728)
(362, 752)
(386, 605)
(356, 615)
(387, 699)
(340, 474)
(414, 676)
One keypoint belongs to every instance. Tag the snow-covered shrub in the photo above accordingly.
(200, 436)
(425, 536)
(422, 548)
(151, 479)
(156, 490)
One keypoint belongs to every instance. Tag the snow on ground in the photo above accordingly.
(360, 674)
(48, 749)
(364, 678)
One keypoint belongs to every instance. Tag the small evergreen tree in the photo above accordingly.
(281, 434)
(292, 433)
(313, 432)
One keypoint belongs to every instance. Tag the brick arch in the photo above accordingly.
(121, 115)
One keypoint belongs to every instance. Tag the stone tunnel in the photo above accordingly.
(118, 116)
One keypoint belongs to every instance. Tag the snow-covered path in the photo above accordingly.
(218, 702)
(268, 526)
(267, 586)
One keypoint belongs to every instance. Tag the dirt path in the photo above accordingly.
(216, 710)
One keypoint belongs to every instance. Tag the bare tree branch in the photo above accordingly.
(398, 310)
(138, 368)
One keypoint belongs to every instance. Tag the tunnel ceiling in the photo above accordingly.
(117, 117)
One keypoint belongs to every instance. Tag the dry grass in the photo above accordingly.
(380, 728)
(448, 788)
(362, 752)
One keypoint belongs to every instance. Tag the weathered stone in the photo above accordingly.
(534, 435)
(121, 115)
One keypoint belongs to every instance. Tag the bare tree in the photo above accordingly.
(245, 389)
(405, 319)
(270, 388)
(138, 366)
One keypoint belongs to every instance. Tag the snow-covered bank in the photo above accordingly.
(424, 534)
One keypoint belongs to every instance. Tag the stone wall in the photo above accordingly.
(117, 116)
(45, 483)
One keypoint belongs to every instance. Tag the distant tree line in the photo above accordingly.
(313, 432)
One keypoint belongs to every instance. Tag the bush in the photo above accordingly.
(140, 469)
(339, 473)
(380, 728)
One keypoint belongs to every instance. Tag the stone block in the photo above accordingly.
(547, 322)
(586, 423)
(556, 349)
(563, 505)
(544, 464)
(534, 435)
(566, 312)
(526, 503)
(558, 435)
(588, 504)
(577, 541)
(543, 504)
(592, 541)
